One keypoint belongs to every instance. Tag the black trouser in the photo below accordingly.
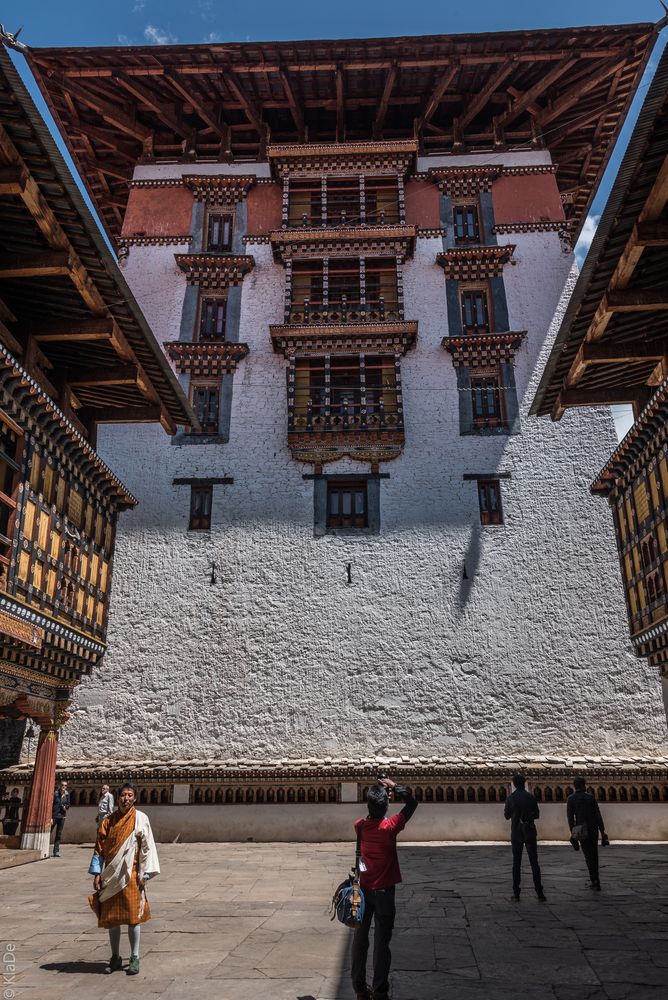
(378, 904)
(57, 825)
(518, 845)
(10, 826)
(590, 851)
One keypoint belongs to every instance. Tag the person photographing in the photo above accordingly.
(379, 874)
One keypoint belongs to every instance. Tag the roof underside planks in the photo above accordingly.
(565, 89)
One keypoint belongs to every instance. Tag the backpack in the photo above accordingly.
(348, 899)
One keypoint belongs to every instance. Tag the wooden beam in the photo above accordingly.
(117, 375)
(50, 264)
(126, 414)
(390, 80)
(210, 118)
(529, 96)
(613, 396)
(12, 180)
(431, 107)
(637, 299)
(575, 93)
(295, 106)
(601, 353)
(155, 103)
(652, 234)
(475, 106)
(253, 113)
(340, 106)
(110, 112)
(72, 330)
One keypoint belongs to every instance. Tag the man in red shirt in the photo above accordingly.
(379, 868)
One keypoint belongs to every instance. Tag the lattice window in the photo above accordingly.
(475, 310)
(342, 391)
(206, 404)
(219, 232)
(212, 318)
(489, 499)
(200, 508)
(487, 399)
(347, 503)
(466, 224)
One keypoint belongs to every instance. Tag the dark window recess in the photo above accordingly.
(219, 234)
(347, 505)
(206, 404)
(200, 508)
(487, 401)
(475, 311)
(467, 228)
(489, 498)
(212, 319)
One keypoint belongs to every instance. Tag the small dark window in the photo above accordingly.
(200, 508)
(465, 219)
(219, 236)
(489, 498)
(487, 401)
(475, 311)
(347, 504)
(212, 319)
(206, 404)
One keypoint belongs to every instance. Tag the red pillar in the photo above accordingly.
(37, 827)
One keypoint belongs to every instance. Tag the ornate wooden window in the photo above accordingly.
(489, 499)
(212, 318)
(344, 201)
(206, 404)
(11, 441)
(200, 508)
(347, 505)
(347, 289)
(487, 400)
(475, 310)
(466, 224)
(219, 232)
(345, 391)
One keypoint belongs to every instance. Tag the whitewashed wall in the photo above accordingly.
(281, 658)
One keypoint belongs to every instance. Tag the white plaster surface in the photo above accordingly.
(471, 821)
(280, 658)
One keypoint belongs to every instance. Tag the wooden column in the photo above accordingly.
(37, 828)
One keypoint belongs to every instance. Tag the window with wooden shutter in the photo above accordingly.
(206, 404)
(347, 504)
(466, 224)
(219, 232)
(487, 401)
(200, 508)
(212, 317)
(489, 498)
(475, 310)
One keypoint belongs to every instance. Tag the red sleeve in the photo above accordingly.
(357, 825)
(396, 822)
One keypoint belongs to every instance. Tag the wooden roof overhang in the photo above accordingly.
(567, 89)
(612, 346)
(649, 431)
(326, 338)
(344, 241)
(67, 311)
(474, 263)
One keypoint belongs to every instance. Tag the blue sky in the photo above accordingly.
(144, 22)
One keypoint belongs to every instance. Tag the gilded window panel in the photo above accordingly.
(629, 515)
(55, 544)
(99, 530)
(49, 477)
(81, 597)
(24, 566)
(35, 472)
(84, 566)
(641, 499)
(661, 535)
(51, 583)
(663, 469)
(90, 514)
(642, 598)
(43, 532)
(75, 508)
(60, 495)
(94, 566)
(29, 520)
(104, 574)
(633, 600)
(90, 607)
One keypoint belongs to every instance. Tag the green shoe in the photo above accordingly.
(133, 965)
(115, 963)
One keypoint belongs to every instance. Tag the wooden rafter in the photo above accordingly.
(433, 101)
(529, 96)
(187, 93)
(253, 113)
(295, 107)
(340, 106)
(379, 121)
(154, 102)
(476, 105)
(109, 112)
(51, 264)
(575, 93)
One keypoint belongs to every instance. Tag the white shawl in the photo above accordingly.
(117, 873)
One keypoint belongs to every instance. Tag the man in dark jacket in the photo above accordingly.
(522, 810)
(12, 812)
(585, 821)
(61, 803)
(379, 868)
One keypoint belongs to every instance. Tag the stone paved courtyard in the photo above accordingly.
(246, 921)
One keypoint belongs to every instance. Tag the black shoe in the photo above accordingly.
(596, 886)
(515, 897)
(542, 898)
(362, 993)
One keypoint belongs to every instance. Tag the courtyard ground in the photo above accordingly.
(246, 921)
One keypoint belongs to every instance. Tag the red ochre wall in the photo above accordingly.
(265, 206)
(526, 198)
(164, 211)
(422, 204)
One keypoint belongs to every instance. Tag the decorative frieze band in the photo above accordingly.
(381, 446)
(358, 338)
(206, 359)
(214, 270)
(464, 182)
(483, 350)
(345, 157)
(533, 227)
(474, 263)
(154, 241)
(219, 189)
(344, 241)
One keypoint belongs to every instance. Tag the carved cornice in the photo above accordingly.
(395, 157)
(156, 182)
(365, 446)
(58, 633)
(153, 241)
(562, 226)
(476, 351)
(474, 263)
(214, 270)
(206, 358)
(344, 241)
(464, 182)
(219, 189)
(325, 338)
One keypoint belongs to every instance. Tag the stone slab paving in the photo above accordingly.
(247, 921)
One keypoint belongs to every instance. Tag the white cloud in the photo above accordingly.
(138, 6)
(158, 36)
(213, 36)
(123, 40)
(586, 236)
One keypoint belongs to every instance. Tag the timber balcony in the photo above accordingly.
(345, 310)
(350, 414)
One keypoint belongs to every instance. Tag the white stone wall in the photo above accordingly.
(282, 659)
